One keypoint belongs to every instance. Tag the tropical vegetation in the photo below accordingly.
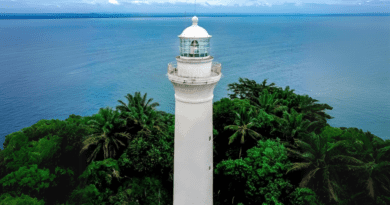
(271, 146)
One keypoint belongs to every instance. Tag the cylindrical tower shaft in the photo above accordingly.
(193, 155)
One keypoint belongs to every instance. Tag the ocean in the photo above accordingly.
(52, 68)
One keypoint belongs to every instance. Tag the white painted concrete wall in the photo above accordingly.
(194, 70)
(193, 155)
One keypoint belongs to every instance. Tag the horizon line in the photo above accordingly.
(143, 14)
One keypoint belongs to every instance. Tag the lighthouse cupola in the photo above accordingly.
(194, 41)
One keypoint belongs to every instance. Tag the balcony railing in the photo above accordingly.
(215, 68)
(214, 77)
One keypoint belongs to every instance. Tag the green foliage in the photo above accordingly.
(304, 196)
(373, 152)
(106, 127)
(292, 126)
(352, 135)
(101, 175)
(249, 89)
(242, 127)
(273, 100)
(136, 100)
(383, 199)
(150, 191)
(42, 143)
(30, 180)
(240, 103)
(7, 199)
(140, 113)
(322, 164)
(103, 190)
(312, 111)
(258, 178)
(269, 103)
(352, 200)
(223, 111)
(21, 151)
(143, 155)
(87, 195)
(142, 172)
(287, 97)
(263, 119)
(47, 144)
(332, 134)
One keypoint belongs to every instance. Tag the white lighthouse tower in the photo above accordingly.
(194, 78)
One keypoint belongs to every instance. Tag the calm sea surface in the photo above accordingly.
(52, 68)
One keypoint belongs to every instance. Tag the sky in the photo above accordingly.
(189, 6)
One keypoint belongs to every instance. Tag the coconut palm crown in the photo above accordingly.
(105, 125)
(318, 155)
(139, 112)
(243, 124)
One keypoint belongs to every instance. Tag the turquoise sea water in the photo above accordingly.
(51, 68)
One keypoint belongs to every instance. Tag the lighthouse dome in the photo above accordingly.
(194, 31)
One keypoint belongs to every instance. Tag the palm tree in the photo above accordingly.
(139, 112)
(286, 97)
(268, 103)
(375, 151)
(248, 89)
(136, 100)
(313, 111)
(105, 125)
(319, 155)
(292, 125)
(286, 93)
(243, 124)
(263, 86)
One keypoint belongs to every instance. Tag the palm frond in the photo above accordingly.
(305, 146)
(232, 127)
(347, 159)
(233, 137)
(94, 154)
(330, 188)
(370, 188)
(299, 166)
(254, 134)
(307, 178)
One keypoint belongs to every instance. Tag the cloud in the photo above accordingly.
(142, 2)
(203, 6)
(113, 2)
(263, 3)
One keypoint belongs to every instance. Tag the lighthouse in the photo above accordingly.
(194, 76)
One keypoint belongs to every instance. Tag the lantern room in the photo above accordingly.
(194, 41)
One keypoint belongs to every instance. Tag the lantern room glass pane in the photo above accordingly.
(200, 48)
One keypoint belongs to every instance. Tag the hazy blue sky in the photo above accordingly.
(202, 6)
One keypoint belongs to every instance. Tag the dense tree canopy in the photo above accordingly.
(271, 146)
